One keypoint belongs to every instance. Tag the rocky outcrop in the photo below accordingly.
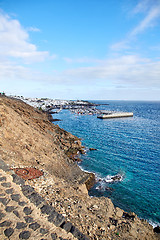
(90, 181)
(95, 217)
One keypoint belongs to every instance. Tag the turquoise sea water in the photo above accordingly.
(126, 146)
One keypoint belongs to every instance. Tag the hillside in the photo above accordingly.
(29, 139)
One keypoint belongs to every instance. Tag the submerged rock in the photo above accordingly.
(55, 120)
(117, 177)
(157, 229)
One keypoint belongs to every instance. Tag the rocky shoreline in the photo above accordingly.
(29, 139)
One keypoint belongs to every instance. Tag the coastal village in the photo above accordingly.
(77, 106)
(43, 192)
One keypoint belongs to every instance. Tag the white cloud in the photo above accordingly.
(14, 42)
(151, 9)
(68, 60)
(82, 60)
(124, 44)
(126, 71)
(142, 6)
(148, 21)
(155, 48)
(10, 71)
(33, 29)
(133, 73)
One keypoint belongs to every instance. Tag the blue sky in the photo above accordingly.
(94, 49)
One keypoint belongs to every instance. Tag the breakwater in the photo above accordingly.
(115, 115)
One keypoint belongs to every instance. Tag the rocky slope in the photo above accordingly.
(27, 138)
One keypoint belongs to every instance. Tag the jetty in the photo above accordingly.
(115, 115)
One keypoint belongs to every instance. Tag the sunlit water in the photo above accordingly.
(126, 146)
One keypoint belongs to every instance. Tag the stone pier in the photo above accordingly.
(115, 115)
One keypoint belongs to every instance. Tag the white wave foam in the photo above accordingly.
(116, 178)
(103, 183)
(154, 224)
(109, 178)
(84, 170)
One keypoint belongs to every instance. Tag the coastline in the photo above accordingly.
(152, 223)
(67, 104)
(103, 219)
(120, 142)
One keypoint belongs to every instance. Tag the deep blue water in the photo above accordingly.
(126, 146)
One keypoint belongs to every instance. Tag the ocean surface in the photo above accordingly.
(129, 147)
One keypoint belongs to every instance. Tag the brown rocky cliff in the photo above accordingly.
(28, 138)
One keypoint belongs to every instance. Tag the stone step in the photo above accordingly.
(24, 214)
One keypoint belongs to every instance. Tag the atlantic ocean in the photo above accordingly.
(129, 147)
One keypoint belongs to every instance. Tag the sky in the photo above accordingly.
(83, 49)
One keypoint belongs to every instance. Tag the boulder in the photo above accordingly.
(157, 229)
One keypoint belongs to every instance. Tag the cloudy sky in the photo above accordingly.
(83, 49)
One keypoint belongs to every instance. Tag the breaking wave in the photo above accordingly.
(103, 183)
(109, 178)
